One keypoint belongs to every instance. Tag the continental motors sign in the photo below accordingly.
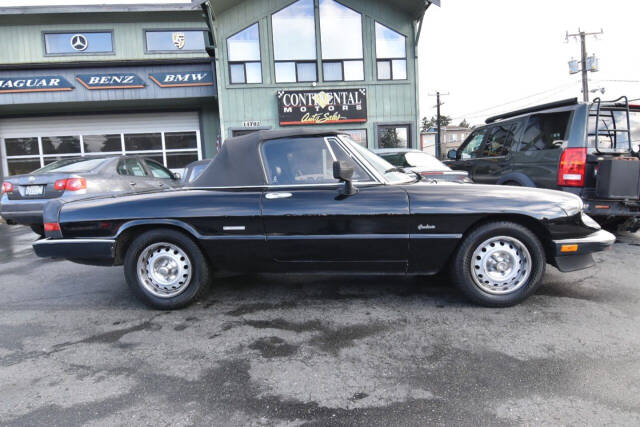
(322, 107)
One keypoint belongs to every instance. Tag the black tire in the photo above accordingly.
(461, 268)
(38, 229)
(512, 184)
(196, 287)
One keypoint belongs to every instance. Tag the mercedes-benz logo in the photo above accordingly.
(79, 42)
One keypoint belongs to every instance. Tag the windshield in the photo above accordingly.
(383, 167)
(423, 160)
(71, 166)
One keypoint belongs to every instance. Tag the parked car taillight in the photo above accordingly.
(51, 226)
(573, 165)
(70, 184)
(431, 173)
(7, 187)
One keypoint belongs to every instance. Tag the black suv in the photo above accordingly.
(590, 150)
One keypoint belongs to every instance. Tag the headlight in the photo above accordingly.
(590, 222)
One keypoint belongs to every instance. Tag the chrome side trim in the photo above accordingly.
(66, 241)
(436, 236)
(234, 228)
(337, 236)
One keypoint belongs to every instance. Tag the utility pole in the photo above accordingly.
(584, 60)
(438, 104)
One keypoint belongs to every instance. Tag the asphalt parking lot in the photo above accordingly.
(77, 348)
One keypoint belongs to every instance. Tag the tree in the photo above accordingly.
(433, 122)
(464, 124)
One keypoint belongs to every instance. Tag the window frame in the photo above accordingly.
(341, 60)
(390, 60)
(366, 134)
(43, 34)
(316, 25)
(172, 30)
(408, 125)
(244, 63)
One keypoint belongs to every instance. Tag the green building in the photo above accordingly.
(173, 81)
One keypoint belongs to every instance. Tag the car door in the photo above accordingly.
(134, 173)
(159, 176)
(470, 152)
(310, 226)
(497, 156)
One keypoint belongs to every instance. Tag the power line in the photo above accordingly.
(475, 113)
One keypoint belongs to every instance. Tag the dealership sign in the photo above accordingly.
(34, 84)
(110, 81)
(322, 107)
(188, 78)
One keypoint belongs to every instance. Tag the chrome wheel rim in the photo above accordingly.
(164, 270)
(501, 265)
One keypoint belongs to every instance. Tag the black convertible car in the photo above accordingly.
(315, 201)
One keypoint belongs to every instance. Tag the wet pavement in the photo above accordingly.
(77, 348)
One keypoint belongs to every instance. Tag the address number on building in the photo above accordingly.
(322, 107)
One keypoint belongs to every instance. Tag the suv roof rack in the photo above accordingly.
(556, 104)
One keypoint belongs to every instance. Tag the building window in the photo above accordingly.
(294, 43)
(357, 135)
(175, 150)
(394, 136)
(391, 54)
(174, 41)
(341, 41)
(243, 51)
(78, 43)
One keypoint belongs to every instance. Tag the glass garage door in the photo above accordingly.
(172, 139)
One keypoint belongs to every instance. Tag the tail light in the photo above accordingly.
(70, 184)
(573, 165)
(7, 187)
(431, 173)
(51, 226)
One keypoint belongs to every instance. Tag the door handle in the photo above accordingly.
(274, 196)
(132, 183)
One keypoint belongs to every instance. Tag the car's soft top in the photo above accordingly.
(238, 163)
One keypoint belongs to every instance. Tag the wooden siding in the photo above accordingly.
(23, 43)
(387, 101)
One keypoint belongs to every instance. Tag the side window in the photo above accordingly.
(359, 174)
(499, 141)
(543, 129)
(131, 167)
(298, 161)
(473, 146)
(158, 171)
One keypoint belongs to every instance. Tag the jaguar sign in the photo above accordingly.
(322, 107)
(34, 84)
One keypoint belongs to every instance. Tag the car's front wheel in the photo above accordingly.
(166, 269)
(499, 264)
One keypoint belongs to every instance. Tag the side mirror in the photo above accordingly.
(452, 155)
(344, 172)
(177, 176)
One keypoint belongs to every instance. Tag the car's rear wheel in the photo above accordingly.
(499, 264)
(166, 269)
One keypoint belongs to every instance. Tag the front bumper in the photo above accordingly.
(576, 254)
(96, 250)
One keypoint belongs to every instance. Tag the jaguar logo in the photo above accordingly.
(79, 42)
(178, 40)
(423, 227)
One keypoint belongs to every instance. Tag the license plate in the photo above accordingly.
(34, 190)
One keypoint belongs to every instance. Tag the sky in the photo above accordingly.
(494, 56)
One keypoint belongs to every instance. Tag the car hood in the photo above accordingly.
(536, 202)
